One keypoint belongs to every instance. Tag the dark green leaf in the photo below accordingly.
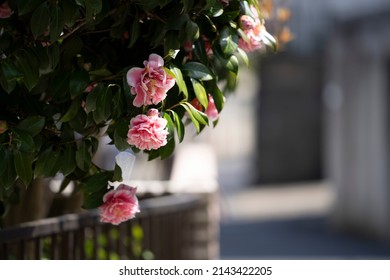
(57, 22)
(170, 125)
(93, 7)
(23, 140)
(64, 184)
(79, 80)
(23, 167)
(120, 135)
(103, 106)
(26, 6)
(198, 71)
(228, 41)
(96, 182)
(40, 19)
(200, 92)
(28, 64)
(94, 200)
(179, 126)
(72, 111)
(33, 125)
(168, 149)
(8, 76)
(83, 157)
(4, 159)
(9, 175)
(46, 165)
(68, 160)
(217, 95)
(192, 31)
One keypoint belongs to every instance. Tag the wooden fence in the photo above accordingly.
(163, 230)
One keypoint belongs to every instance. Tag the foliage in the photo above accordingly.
(63, 66)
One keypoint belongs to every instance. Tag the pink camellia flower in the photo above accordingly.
(5, 10)
(150, 84)
(148, 132)
(211, 111)
(253, 29)
(119, 205)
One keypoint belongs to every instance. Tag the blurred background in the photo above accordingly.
(302, 146)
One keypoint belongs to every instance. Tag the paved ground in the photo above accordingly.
(288, 222)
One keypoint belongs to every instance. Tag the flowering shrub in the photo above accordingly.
(134, 69)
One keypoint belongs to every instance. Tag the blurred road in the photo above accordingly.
(288, 222)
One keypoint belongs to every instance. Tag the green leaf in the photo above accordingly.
(179, 80)
(70, 12)
(103, 106)
(83, 157)
(232, 64)
(94, 200)
(93, 7)
(47, 163)
(168, 149)
(57, 22)
(217, 95)
(134, 32)
(96, 182)
(192, 31)
(68, 160)
(9, 175)
(120, 135)
(198, 118)
(8, 76)
(198, 71)
(90, 103)
(228, 41)
(23, 140)
(180, 130)
(170, 125)
(33, 125)
(40, 20)
(200, 92)
(26, 6)
(72, 111)
(23, 167)
(79, 80)
(269, 41)
(3, 161)
(28, 64)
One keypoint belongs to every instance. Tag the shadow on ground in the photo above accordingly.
(295, 238)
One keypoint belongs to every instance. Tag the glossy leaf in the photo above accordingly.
(28, 64)
(179, 80)
(96, 182)
(40, 19)
(228, 41)
(32, 125)
(83, 157)
(68, 160)
(57, 22)
(94, 200)
(23, 167)
(180, 129)
(200, 93)
(23, 140)
(79, 80)
(192, 30)
(46, 165)
(72, 111)
(198, 71)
